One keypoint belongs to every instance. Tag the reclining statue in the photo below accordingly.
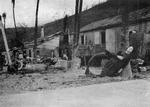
(115, 64)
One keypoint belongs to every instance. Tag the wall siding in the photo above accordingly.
(110, 40)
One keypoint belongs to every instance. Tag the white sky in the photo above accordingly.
(49, 10)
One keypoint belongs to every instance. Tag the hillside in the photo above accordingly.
(99, 11)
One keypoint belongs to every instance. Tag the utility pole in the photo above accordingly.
(5, 41)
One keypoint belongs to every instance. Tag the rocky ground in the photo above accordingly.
(52, 79)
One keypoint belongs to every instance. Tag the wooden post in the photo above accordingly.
(5, 41)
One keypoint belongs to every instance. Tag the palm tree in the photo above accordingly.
(13, 2)
(36, 24)
(4, 17)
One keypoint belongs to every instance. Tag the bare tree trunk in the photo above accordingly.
(125, 24)
(36, 27)
(78, 9)
(15, 22)
(74, 48)
(127, 72)
(79, 20)
(76, 22)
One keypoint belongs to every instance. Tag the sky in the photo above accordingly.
(49, 10)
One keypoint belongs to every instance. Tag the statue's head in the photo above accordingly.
(129, 50)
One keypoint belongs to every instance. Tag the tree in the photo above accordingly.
(4, 17)
(79, 20)
(65, 23)
(78, 10)
(76, 22)
(36, 27)
(13, 2)
(18, 42)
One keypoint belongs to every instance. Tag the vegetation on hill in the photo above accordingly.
(99, 11)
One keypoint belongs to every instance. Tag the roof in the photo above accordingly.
(139, 15)
(52, 44)
(43, 40)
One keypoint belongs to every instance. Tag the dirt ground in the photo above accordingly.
(51, 80)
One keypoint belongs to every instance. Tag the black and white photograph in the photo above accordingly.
(74, 53)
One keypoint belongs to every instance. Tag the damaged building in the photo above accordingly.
(47, 46)
(108, 34)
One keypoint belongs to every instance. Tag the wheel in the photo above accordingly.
(102, 54)
(20, 65)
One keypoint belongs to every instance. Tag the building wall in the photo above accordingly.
(93, 43)
(49, 47)
(29, 52)
(143, 30)
(113, 36)
(46, 49)
(111, 40)
(88, 38)
(118, 43)
(93, 37)
(97, 37)
(44, 52)
(142, 27)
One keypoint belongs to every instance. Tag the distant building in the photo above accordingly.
(47, 46)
